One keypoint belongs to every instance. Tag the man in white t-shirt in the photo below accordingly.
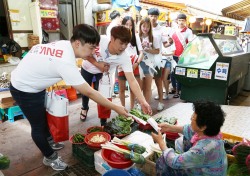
(45, 65)
(116, 20)
(162, 33)
(112, 51)
(181, 36)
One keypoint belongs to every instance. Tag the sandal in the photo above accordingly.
(172, 92)
(82, 115)
(176, 96)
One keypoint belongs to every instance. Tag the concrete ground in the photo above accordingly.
(26, 159)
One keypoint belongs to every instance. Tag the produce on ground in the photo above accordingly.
(4, 162)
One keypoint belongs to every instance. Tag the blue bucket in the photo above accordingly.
(116, 172)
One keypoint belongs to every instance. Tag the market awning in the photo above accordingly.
(172, 5)
(205, 14)
(239, 11)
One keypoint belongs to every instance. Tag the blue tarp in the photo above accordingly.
(126, 4)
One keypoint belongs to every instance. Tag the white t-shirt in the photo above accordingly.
(162, 33)
(112, 24)
(168, 50)
(102, 54)
(45, 65)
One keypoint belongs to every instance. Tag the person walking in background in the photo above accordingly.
(150, 47)
(134, 49)
(181, 36)
(112, 52)
(45, 65)
(116, 19)
(163, 34)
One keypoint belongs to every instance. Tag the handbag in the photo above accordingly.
(57, 116)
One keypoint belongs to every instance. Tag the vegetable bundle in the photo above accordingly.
(133, 156)
(4, 162)
(139, 114)
(170, 120)
(119, 125)
(134, 147)
(78, 138)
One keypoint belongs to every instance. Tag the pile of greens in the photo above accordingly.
(4, 162)
(139, 114)
(119, 125)
(170, 120)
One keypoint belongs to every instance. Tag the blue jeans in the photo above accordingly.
(88, 78)
(176, 85)
(32, 105)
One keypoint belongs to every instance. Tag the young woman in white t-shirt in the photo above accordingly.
(134, 49)
(150, 46)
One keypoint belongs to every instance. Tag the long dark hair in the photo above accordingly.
(133, 39)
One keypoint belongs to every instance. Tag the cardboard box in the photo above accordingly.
(5, 97)
(104, 1)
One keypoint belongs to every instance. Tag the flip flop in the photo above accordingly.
(82, 115)
(176, 96)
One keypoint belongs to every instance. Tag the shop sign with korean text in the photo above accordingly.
(206, 74)
(221, 71)
(180, 71)
(192, 73)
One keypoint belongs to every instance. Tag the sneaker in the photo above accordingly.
(165, 97)
(157, 97)
(57, 146)
(56, 164)
(160, 106)
(138, 106)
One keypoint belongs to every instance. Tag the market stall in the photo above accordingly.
(212, 67)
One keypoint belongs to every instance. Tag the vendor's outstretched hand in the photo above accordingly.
(158, 139)
(146, 108)
(165, 127)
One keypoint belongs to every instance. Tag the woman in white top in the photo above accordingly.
(151, 46)
(134, 49)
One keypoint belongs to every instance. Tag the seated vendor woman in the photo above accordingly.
(202, 148)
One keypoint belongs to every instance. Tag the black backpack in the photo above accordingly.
(9, 46)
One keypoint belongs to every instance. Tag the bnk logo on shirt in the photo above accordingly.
(47, 51)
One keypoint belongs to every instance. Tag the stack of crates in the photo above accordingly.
(84, 154)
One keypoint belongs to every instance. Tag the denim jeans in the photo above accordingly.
(176, 85)
(88, 78)
(32, 105)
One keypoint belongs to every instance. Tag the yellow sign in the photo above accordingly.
(162, 16)
(48, 13)
(192, 73)
(230, 30)
(14, 15)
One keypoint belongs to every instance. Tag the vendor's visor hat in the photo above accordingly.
(153, 11)
(182, 16)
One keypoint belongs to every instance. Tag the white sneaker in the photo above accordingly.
(56, 164)
(57, 146)
(157, 97)
(165, 97)
(160, 106)
(138, 106)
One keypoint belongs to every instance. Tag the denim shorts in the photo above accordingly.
(168, 64)
(146, 69)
